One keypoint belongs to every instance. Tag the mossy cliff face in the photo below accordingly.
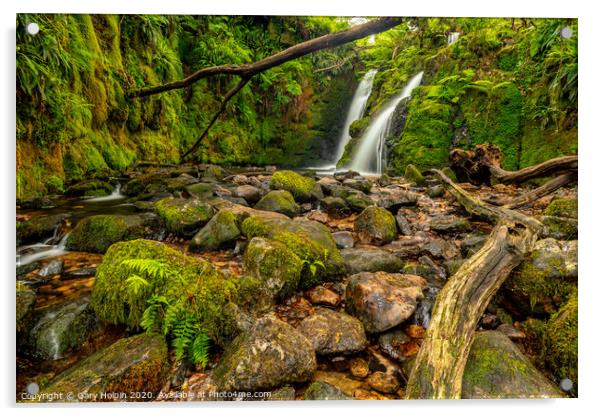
(74, 119)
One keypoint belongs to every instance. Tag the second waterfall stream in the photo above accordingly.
(369, 157)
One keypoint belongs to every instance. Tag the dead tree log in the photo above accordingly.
(439, 366)
(481, 165)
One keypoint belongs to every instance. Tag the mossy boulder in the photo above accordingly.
(91, 187)
(275, 265)
(335, 207)
(271, 353)
(221, 230)
(136, 364)
(358, 127)
(190, 281)
(547, 275)
(309, 240)
(560, 219)
(358, 201)
(25, 301)
(96, 233)
(301, 187)
(279, 201)
(560, 207)
(184, 217)
(38, 228)
(60, 329)
(201, 190)
(371, 259)
(412, 174)
(376, 225)
(497, 369)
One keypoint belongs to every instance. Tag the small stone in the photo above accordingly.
(333, 332)
(449, 224)
(383, 382)
(359, 368)
(392, 343)
(435, 191)
(320, 295)
(402, 223)
(343, 239)
(415, 331)
(52, 268)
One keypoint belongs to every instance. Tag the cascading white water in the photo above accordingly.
(356, 110)
(43, 251)
(116, 194)
(452, 37)
(369, 156)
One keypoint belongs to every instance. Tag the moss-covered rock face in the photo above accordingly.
(97, 232)
(496, 369)
(183, 216)
(358, 127)
(560, 342)
(191, 280)
(412, 174)
(279, 201)
(302, 188)
(309, 240)
(548, 274)
(136, 364)
(222, 229)
(25, 301)
(276, 266)
(562, 208)
(61, 329)
(376, 225)
(270, 354)
(560, 219)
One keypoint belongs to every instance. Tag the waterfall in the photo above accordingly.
(356, 110)
(41, 251)
(370, 155)
(452, 37)
(116, 194)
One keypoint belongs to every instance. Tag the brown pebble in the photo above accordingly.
(319, 295)
(415, 331)
(383, 382)
(359, 368)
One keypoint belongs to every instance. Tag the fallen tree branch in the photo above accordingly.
(304, 48)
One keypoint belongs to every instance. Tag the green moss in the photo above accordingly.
(97, 232)
(376, 225)
(183, 216)
(54, 184)
(449, 173)
(562, 208)
(222, 229)
(279, 201)
(299, 186)
(25, 300)
(358, 127)
(186, 279)
(412, 174)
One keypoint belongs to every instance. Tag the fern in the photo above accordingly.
(135, 283)
(199, 349)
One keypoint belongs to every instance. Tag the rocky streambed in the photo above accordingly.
(306, 286)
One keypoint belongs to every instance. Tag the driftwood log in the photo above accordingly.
(439, 366)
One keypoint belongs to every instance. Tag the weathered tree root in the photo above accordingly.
(439, 366)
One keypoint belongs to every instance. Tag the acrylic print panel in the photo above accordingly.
(295, 208)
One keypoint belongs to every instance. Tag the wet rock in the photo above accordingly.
(383, 382)
(359, 183)
(405, 248)
(214, 172)
(412, 174)
(97, 233)
(180, 183)
(320, 390)
(279, 201)
(376, 225)
(427, 268)
(342, 175)
(27, 268)
(358, 201)
(566, 208)
(422, 316)
(270, 354)
(560, 228)
(25, 301)
(90, 187)
(53, 267)
(497, 369)
(277, 267)
(402, 223)
(283, 393)
(342, 381)
(511, 332)
(138, 363)
(61, 329)
(319, 295)
(333, 332)
(449, 224)
(382, 300)
(249, 193)
(335, 207)
(183, 217)
(440, 249)
(301, 187)
(221, 230)
(79, 273)
(472, 243)
(395, 199)
(392, 343)
(436, 191)
(359, 368)
(370, 259)
(343, 239)
(39, 228)
(202, 190)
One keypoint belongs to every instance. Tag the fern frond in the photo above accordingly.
(199, 349)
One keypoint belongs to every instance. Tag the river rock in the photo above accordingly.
(320, 295)
(370, 259)
(221, 230)
(25, 301)
(320, 390)
(440, 249)
(383, 382)
(335, 207)
(270, 354)
(402, 223)
(376, 225)
(53, 267)
(250, 193)
(436, 191)
(136, 364)
(358, 201)
(392, 342)
(279, 201)
(301, 187)
(412, 174)
(283, 393)
(394, 199)
(97, 233)
(449, 224)
(60, 329)
(90, 187)
(277, 267)
(333, 332)
(184, 217)
(343, 239)
(202, 190)
(359, 183)
(383, 300)
(497, 369)
(39, 228)
(358, 367)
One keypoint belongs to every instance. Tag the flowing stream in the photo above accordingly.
(369, 158)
